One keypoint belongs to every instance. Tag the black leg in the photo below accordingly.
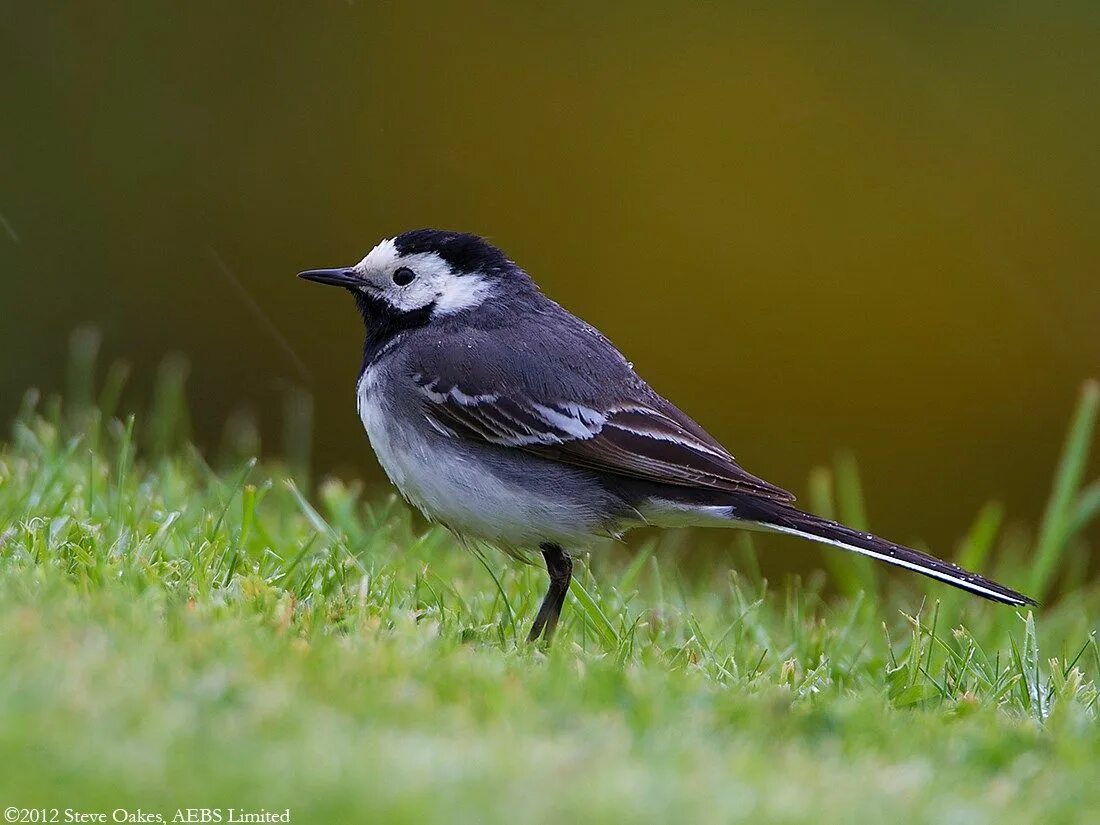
(560, 567)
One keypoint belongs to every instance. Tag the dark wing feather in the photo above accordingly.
(634, 439)
(643, 443)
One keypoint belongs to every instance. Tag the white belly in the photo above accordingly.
(456, 487)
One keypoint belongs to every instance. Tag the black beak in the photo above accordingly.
(334, 277)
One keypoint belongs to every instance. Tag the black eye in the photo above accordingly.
(403, 276)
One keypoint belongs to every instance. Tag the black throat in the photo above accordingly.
(384, 323)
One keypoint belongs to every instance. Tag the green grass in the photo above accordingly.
(174, 636)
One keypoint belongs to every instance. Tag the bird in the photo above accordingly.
(505, 418)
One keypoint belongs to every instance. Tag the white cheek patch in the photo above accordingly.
(461, 292)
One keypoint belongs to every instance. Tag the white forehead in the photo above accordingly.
(383, 258)
(436, 282)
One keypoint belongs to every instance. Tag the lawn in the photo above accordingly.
(180, 631)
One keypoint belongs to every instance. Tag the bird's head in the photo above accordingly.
(427, 273)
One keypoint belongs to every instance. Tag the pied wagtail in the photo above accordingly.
(502, 416)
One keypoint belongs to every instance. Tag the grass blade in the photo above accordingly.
(1059, 517)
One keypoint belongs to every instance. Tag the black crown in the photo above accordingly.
(463, 251)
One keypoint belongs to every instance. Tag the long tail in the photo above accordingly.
(783, 518)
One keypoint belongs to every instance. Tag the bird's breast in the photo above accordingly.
(503, 496)
(391, 445)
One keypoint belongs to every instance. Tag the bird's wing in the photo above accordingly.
(601, 417)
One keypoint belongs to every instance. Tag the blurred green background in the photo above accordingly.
(813, 226)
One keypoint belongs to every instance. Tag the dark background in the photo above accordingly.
(814, 226)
